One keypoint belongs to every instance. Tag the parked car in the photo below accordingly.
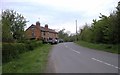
(60, 40)
(52, 41)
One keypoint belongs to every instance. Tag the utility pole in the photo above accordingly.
(76, 30)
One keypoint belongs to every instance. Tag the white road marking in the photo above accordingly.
(72, 49)
(105, 63)
(66, 46)
(76, 51)
(94, 58)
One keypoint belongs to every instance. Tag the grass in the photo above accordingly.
(0, 69)
(0, 57)
(29, 62)
(103, 47)
(0, 44)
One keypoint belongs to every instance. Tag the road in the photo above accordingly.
(71, 58)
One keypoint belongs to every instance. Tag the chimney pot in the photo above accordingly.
(46, 26)
(38, 23)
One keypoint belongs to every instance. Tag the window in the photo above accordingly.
(33, 34)
(32, 28)
(44, 33)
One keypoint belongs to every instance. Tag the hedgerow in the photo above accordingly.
(12, 50)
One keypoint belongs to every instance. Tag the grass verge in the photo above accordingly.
(29, 62)
(103, 47)
(0, 58)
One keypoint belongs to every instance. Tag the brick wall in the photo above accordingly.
(34, 31)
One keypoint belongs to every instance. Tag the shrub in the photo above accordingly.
(12, 50)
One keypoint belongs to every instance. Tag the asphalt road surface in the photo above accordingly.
(71, 58)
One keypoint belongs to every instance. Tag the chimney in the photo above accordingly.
(38, 24)
(46, 26)
(37, 31)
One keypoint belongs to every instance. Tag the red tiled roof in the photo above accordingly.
(43, 29)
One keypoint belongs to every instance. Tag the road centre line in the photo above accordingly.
(75, 51)
(72, 49)
(95, 59)
(66, 46)
(105, 63)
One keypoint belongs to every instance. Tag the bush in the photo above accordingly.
(32, 44)
(12, 50)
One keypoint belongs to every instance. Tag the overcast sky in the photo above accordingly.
(59, 14)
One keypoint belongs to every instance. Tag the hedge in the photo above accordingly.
(12, 50)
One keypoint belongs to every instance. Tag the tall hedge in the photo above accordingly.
(12, 50)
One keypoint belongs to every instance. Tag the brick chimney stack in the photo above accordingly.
(37, 30)
(46, 26)
(38, 24)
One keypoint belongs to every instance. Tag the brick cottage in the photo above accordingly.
(40, 33)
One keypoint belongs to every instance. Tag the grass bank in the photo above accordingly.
(0, 44)
(103, 47)
(29, 62)
(0, 57)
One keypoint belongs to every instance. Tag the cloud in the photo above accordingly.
(60, 14)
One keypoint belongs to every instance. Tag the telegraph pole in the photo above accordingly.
(76, 29)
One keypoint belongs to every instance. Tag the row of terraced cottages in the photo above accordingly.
(40, 33)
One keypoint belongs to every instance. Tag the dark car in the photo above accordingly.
(60, 40)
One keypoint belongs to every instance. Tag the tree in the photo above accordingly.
(105, 30)
(13, 24)
(66, 36)
(118, 22)
(6, 32)
(61, 33)
(86, 33)
(0, 31)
